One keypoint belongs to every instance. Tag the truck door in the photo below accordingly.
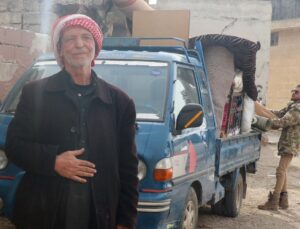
(191, 158)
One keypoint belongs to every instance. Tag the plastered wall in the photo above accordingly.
(284, 67)
(250, 19)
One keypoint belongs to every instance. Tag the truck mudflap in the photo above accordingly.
(154, 206)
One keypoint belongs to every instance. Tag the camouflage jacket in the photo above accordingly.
(289, 120)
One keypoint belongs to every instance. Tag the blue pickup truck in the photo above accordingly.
(183, 164)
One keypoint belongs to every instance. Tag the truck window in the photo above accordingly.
(205, 97)
(144, 81)
(185, 90)
(38, 71)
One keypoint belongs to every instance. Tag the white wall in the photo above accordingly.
(250, 19)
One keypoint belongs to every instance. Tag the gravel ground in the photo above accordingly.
(259, 185)
(5, 224)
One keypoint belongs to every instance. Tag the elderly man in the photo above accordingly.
(73, 134)
(288, 147)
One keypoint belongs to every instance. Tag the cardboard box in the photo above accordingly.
(161, 23)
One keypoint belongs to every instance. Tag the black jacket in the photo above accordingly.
(42, 128)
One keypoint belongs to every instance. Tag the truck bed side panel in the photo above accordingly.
(237, 151)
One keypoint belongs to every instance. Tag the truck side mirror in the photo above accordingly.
(191, 115)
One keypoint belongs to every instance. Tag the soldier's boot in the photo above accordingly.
(272, 203)
(283, 200)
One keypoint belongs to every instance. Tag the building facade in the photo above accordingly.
(284, 52)
(249, 19)
(274, 23)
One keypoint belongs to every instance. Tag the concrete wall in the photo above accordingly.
(284, 63)
(18, 49)
(249, 19)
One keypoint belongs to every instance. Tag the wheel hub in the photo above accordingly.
(189, 220)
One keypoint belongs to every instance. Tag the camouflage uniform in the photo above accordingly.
(288, 147)
(289, 120)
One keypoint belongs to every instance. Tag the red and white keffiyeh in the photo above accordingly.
(84, 21)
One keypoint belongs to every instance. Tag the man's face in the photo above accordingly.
(296, 94)
(77, 47)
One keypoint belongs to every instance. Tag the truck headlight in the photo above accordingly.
(163, 170)
(3, 160)
(142, 170)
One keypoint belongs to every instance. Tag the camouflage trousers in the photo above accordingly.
(281, 173)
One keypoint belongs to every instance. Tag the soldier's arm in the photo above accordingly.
(128, 6)
(291, 118)
(279, 113)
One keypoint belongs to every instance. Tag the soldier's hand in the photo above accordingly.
(262, 123)
(69, 166)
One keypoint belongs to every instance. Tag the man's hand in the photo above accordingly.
(121, 227)
(69, 166)
(262, 123)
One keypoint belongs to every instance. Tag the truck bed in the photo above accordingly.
(237, 151)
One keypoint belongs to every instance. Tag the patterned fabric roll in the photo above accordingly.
(244, 52)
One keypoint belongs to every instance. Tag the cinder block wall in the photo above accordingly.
(38, 15)
(33, 15)
(18, 50)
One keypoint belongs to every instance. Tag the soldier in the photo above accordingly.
(105, 13)
(288, 147)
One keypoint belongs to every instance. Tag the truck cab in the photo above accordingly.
(183, 164)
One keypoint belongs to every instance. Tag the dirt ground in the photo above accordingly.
(258, 186)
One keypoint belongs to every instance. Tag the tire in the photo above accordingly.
(231, 204)
(190, 213)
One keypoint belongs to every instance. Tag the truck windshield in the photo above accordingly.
(144, 81)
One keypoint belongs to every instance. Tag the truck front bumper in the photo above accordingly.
(153, 210)
(154, 206)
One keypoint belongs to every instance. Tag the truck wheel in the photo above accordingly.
(232, 202)
(190, 213)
